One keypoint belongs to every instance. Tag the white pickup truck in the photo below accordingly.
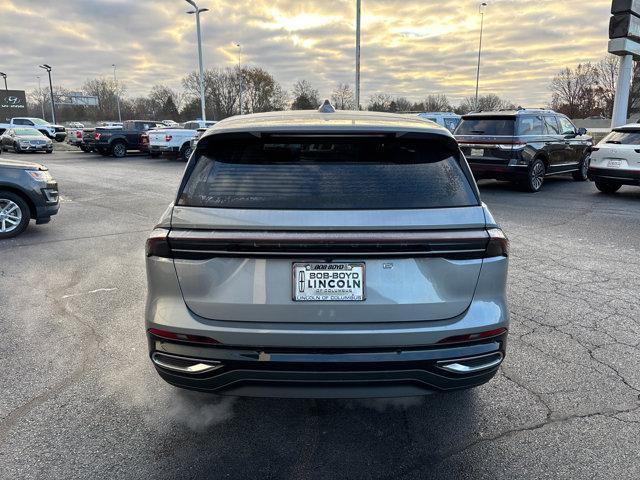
(175, 141)
(54, 132)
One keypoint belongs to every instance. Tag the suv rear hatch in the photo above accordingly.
(403, 215)
(487, 139)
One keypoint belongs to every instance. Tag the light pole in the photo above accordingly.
(481, 11)
(115, 80)
(358, 9)
(53, 107)
(240, 72)
(41, 96)
(197, 12)
(4, 75)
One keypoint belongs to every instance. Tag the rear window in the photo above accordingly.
(493, 126)
(333, 174)
(622, 137)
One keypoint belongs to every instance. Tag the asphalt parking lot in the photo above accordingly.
(80, 398)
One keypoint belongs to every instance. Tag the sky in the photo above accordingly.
(410, 48)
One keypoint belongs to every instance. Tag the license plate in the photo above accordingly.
(615, 163)
(328, 282)
(477, 152)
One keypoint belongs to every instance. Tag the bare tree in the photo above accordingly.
(380, 102)
(262, 93)
(343, 97)
(305, 97)
(574, 91)
(486, 103)
(437, 103)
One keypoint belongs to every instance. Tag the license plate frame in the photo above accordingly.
(307, 268)
(477, 152)
(615, 163)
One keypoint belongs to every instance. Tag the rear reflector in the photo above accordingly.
(470, 337)
(181, 336)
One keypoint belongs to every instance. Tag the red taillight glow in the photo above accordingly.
(181, 336)
(167, 138)
(498, 245)
(474, 336)
(97, 136)
(78, 134)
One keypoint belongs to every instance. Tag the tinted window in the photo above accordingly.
(530, 126)
(356, 174)
(496, 126)
(551, 124)
(623, 137)
(566, 127)
(20, 121)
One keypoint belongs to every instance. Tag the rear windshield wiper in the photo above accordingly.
(617, 142)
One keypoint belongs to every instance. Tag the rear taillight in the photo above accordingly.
(498, 245)
(144, 139)
(512, 146)
(181, 336)
(470, 337)
(167, 138)
(158, 243)
(97, 136)
(78, 134)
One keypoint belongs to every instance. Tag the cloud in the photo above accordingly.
(409, 47)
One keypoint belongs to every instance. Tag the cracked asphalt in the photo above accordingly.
(80, 398)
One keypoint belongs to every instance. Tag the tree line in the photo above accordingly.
(584, 91)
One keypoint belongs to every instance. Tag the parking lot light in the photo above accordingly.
(4, 75)
(115, 81)
(240, 73)
(481, 9)
(197, 11)
(53, 108)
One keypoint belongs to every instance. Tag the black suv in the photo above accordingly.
(524, 145)
(26, 191)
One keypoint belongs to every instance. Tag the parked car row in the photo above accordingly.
(53, 132)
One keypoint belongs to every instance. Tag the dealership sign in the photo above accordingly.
(624, 28)
(13, 103)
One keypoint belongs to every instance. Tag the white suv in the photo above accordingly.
(327, 254)
(615, 161)
(176, 141)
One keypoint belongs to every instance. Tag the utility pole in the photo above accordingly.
(240, 73)
(197, 12)
(53, 104)
(358, 14)
(4, 75)
(115, 80)
(481, 11)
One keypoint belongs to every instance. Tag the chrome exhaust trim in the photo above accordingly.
(472, 364)
(183, 364)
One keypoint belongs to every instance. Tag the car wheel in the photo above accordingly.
(119, 150)
(14, 214)
(49, 151)
(185, 152)
(16, 148)
(608, 187)
(580, 175)
(103, 151)
(535, 176)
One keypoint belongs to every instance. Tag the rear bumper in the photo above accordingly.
(163, 149)
(625, 177)
(307, 373)
(496, 169)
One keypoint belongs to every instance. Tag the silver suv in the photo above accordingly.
(327, 254)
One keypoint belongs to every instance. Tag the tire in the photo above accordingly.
(16, 148)
(83, 148)
(49, 151)
(119, 150)
(580, 175)
(535, 176)
(103, 151)
(608, 187)
(15, 223)
(185, 152)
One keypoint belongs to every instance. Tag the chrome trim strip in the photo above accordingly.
(197, 366)
(458, 366)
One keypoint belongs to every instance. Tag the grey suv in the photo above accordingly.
(326, 254)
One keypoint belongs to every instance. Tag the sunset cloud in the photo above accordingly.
(410, 47)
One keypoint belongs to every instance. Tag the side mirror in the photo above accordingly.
(582, 131)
